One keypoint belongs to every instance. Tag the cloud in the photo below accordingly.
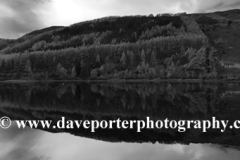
(216, 5)
(20, 16)
(19, 143)
(32, 144)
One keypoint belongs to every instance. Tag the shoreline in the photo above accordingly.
(126, 81)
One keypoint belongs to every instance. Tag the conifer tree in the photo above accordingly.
(123, 60)
(73, 72)
(143, 56)
(153, 59)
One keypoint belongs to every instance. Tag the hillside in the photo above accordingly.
(4, 43)
(131, 47)
(222, 29)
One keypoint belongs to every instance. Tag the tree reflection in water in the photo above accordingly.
(99, 101)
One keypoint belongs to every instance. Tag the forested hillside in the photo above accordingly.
(131, 47)
(222, 30)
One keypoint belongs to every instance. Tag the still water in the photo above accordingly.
(99, 101)
(29, 144)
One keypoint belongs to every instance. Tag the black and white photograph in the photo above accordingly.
(119, 80)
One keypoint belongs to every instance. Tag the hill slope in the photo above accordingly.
(222, 29)
(132, 47)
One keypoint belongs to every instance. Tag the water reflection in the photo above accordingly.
(101, 101)
(29, 144)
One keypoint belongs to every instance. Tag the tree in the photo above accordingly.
(54, 59)
(94, 73)
(153, 59)
(171, 70)
(139, 69)
(18, 64)
(162, 73)
(123, 60)
(150, 15)
(229, 23)
(143, 56)
(101, 69)
(152, 73)
(59, 67)
(28, 66)
(143, 67)
(98, 59)
(2, 64)
(73, 72)
(78, 68)
(84, 70)
(107, 60)
(128, 60)
(109, 67)
(136, 59)
(61, 71)
(98, 62)
(39, 45)
(46, 75)
(182, 50)
(132, 59)
(167, 61)
(147, 68)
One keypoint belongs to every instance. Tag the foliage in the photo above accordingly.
(144, 47)
(61, 71)
(73, 72)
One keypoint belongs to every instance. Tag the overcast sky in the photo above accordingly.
(18, 17)
(33, 144)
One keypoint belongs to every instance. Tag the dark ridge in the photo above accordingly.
(34, 33)
(5, 42)
(206, 20)
(229, 11)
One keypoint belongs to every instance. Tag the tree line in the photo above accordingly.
(164, 51)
